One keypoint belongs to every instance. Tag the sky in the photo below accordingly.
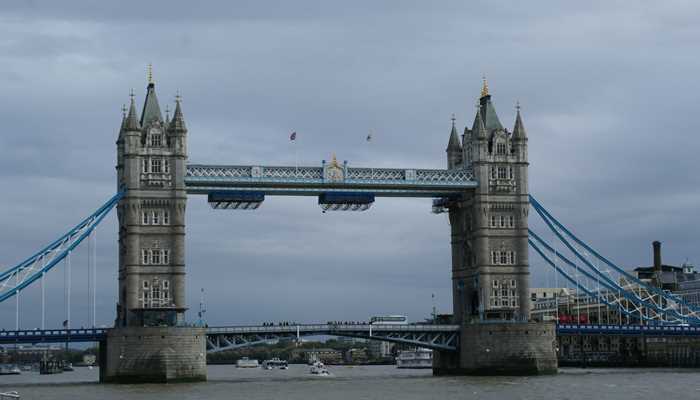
(609, 94)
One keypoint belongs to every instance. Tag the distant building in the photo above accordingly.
(356, 356)
(664, 276)
(326, 356)
(380, 349)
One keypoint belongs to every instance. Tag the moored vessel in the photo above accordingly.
(416, 359)
(275, 363)
(9, 369)
(245, 362)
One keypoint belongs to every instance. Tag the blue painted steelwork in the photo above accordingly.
(572, 280)
(311, 181)
(665, 305)
(547, 217)
(628, 330)
(28, 271)
(53, 336)
(439, 337)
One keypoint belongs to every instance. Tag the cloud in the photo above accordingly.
(609, 99)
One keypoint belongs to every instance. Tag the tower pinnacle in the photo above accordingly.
(484, 87)
(150, 74)
(177, 123)
(519, 129)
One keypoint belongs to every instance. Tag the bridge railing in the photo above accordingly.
(330, 327)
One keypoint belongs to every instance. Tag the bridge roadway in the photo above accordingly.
(438, 337)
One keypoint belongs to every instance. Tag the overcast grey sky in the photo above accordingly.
(609, 93)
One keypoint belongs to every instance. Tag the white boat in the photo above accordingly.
(245, 362)
(319, 369)
(274, 363)
(7, 369)
(419, 358)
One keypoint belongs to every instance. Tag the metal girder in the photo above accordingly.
(53, 336)
(312, 181)
(627, 330)
(15, 279)
(437, 337)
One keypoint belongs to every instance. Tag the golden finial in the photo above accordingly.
(334, 161)
(178, 97)
(150, 73)
(484, 87)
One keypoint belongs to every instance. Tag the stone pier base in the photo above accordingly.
(153, 355)
(501, 349)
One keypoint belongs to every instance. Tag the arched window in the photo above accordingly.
(155, 257)
(156, 139)
(501, 148)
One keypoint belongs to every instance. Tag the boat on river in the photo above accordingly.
(9, 369)
(415, 359)
(319, 369)
(246, 362)
(275, 363)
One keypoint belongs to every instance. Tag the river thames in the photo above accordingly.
(369, 382)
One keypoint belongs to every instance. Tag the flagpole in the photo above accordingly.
(371, 168)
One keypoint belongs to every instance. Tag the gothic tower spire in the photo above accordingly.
(132, 121)
(519, 129)
(151, 109)
(177, 123)
(454, 147)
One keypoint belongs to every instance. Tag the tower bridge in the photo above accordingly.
(484, 191)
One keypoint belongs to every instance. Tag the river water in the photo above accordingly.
(369, 382)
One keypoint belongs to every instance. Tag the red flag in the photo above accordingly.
(293, 136)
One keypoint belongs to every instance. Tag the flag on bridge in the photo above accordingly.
(65, 323)
(293, 136)
(369, 136)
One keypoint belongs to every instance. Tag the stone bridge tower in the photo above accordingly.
(490, 271)
(150, 342)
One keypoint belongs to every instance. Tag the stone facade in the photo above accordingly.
(490, 267)
(149, 342)
(502, 349)
(490, 272)
(141, 355)
(151, 166)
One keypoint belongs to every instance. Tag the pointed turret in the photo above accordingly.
(519, 129)
(177, 123)
(122, 126)
(454, 142)
(478, 129)
(488, 112)
(132, 121)
(454, 147)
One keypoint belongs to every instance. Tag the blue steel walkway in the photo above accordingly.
(439, 337)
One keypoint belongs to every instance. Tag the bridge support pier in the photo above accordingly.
(153, 355)
(501, 349)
